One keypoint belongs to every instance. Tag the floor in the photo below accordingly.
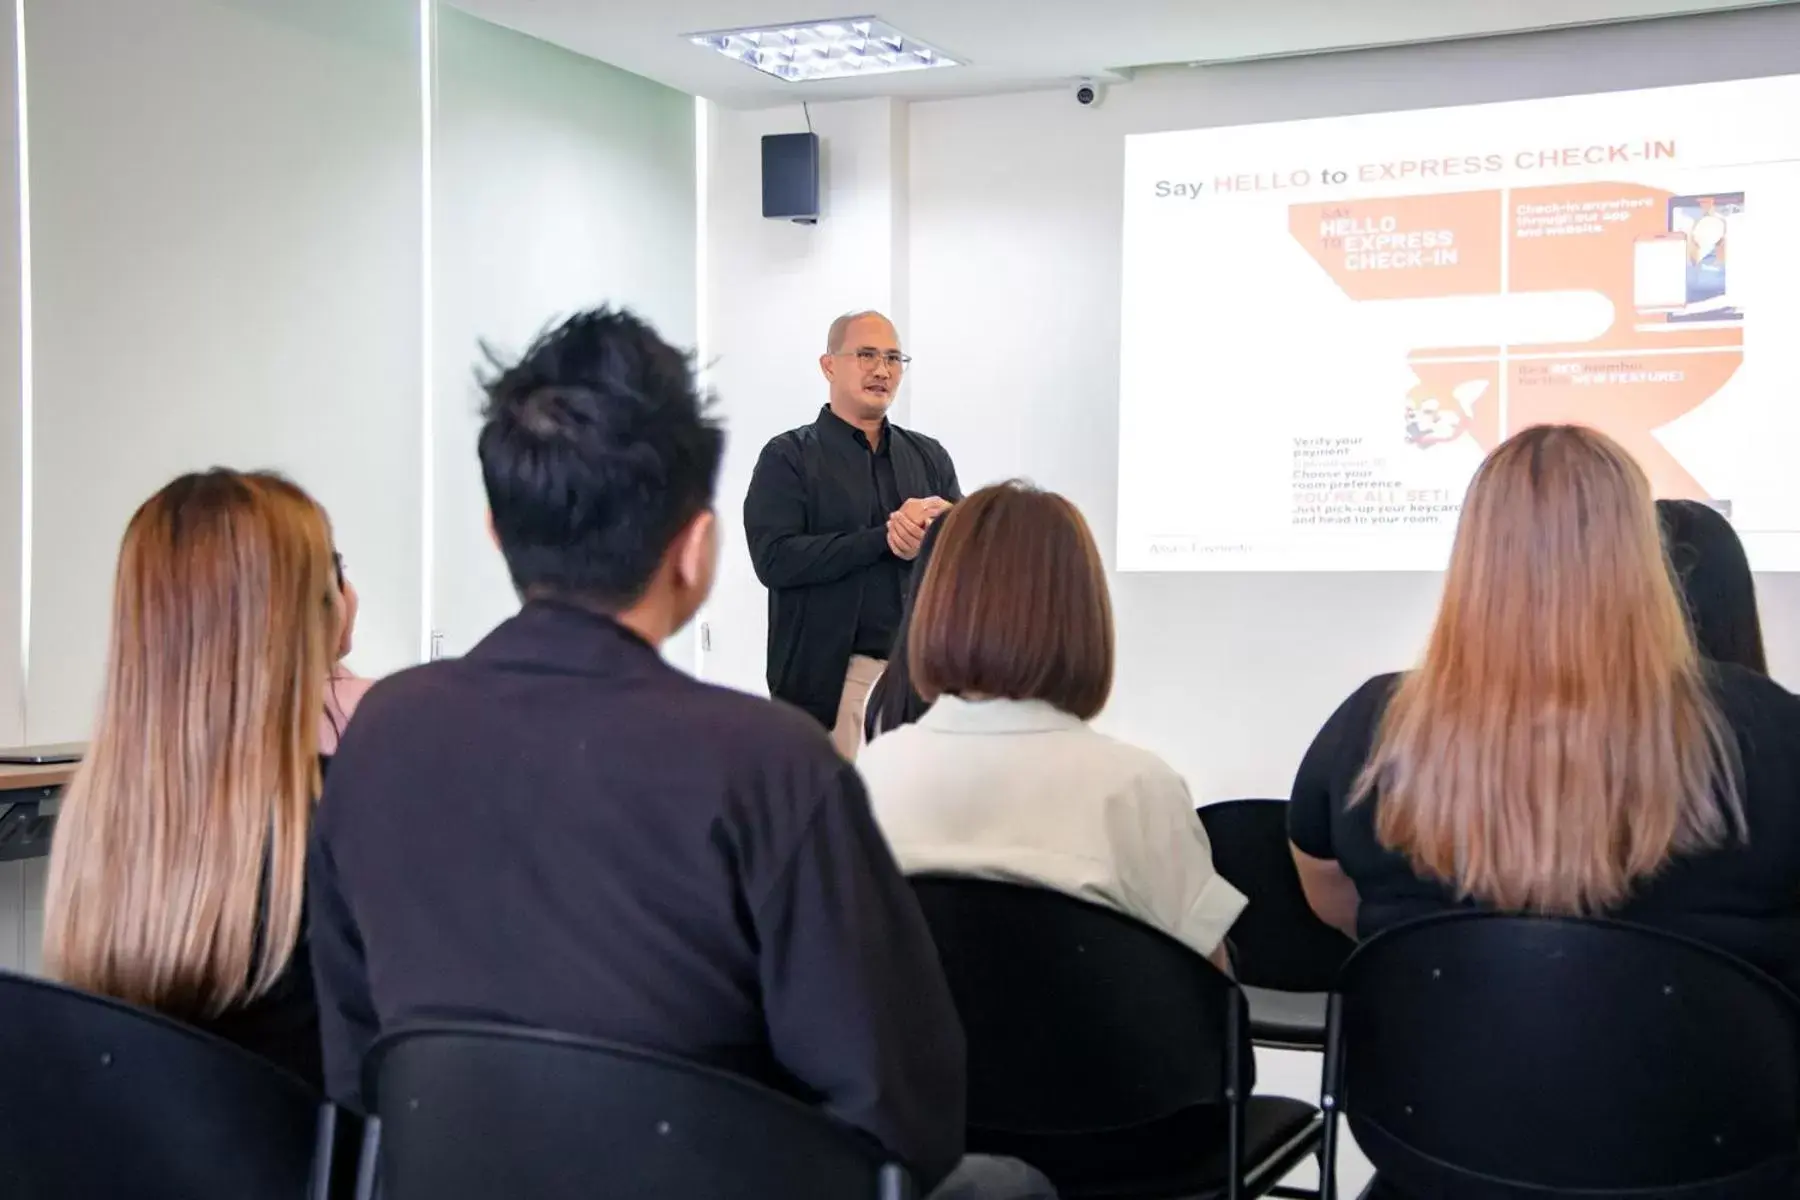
(1294, 1073)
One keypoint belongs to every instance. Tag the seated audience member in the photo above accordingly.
(1562, 748)
(892, 701)
(1012, 642)
(1714, 574)
(343, 688)
(176, 879)
(562, 831)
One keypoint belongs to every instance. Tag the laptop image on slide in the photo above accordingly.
(43, 756)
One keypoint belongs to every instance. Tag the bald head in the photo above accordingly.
(863, 364)
(840, 330)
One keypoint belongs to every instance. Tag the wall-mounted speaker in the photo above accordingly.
(790, 177)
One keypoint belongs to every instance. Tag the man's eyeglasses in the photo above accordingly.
(868, 358)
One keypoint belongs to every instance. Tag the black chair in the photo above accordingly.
(1499, 1058)
(100, 1098)
(475, 1112)
(1284, 956)
(1108, 1055)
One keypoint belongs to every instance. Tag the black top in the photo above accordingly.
(878, 620)
(893, 702)
(282, 1024)
(1716, 584)
(816, 522)
(1742, 897)
(563, 831)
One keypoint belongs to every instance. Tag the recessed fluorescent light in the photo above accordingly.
(842, 48)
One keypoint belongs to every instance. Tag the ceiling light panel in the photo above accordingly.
(840, 49)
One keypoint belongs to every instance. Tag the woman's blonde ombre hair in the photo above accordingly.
(176, 877)
(1559, 742)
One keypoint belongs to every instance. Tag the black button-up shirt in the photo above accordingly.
(563, 831)
(816, 520)
(878, 619)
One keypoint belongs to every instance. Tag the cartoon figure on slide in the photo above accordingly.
(1431, 421)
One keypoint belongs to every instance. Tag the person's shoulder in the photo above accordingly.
(347, 690)
(395, 721)
(1370, 699)
(770, 768)
(751, 733)
(894, 749)
(790, 441)
(403, 710)
(1350, 729)
(398, 697)
(1379, 688)
(1130, 767)
(924, 441)
(1751, 700)
(757, 715)
(1366, 704)
(1142, 799)
(1734, 682)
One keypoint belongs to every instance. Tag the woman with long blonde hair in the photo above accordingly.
(1562, 748)
(177, 876)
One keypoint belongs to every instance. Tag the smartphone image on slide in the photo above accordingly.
(1659, 282)
(1705, 225)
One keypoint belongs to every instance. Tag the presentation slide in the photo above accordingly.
(1326, 324)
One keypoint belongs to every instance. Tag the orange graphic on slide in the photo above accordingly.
(1644, 371)
(1627, 396)
(1600, 262)
(1406, 247)
(1454, 399)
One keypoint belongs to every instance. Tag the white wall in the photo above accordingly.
(226, 200)
(774, 288)
(21, 888)
(12, 416)
(1013, 273)
(228, 251)
(558, 183)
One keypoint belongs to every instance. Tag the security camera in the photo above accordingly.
(1088, 94)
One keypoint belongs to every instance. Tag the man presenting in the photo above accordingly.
(834, 517)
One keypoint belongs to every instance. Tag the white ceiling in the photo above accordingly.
(1013, 45)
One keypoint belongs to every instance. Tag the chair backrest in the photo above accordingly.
(1484, 1055)
(1079, 1018)
(1278, 942)
(479, 1111)
(100, 1098)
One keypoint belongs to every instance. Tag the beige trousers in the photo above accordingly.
(847, 734)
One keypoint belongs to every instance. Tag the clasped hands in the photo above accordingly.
(907, 524)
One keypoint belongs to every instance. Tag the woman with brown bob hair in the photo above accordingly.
(1011, 642)
(1563, 747)
(177, 876)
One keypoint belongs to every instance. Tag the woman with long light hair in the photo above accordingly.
(177, 875)
(1563, 747)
